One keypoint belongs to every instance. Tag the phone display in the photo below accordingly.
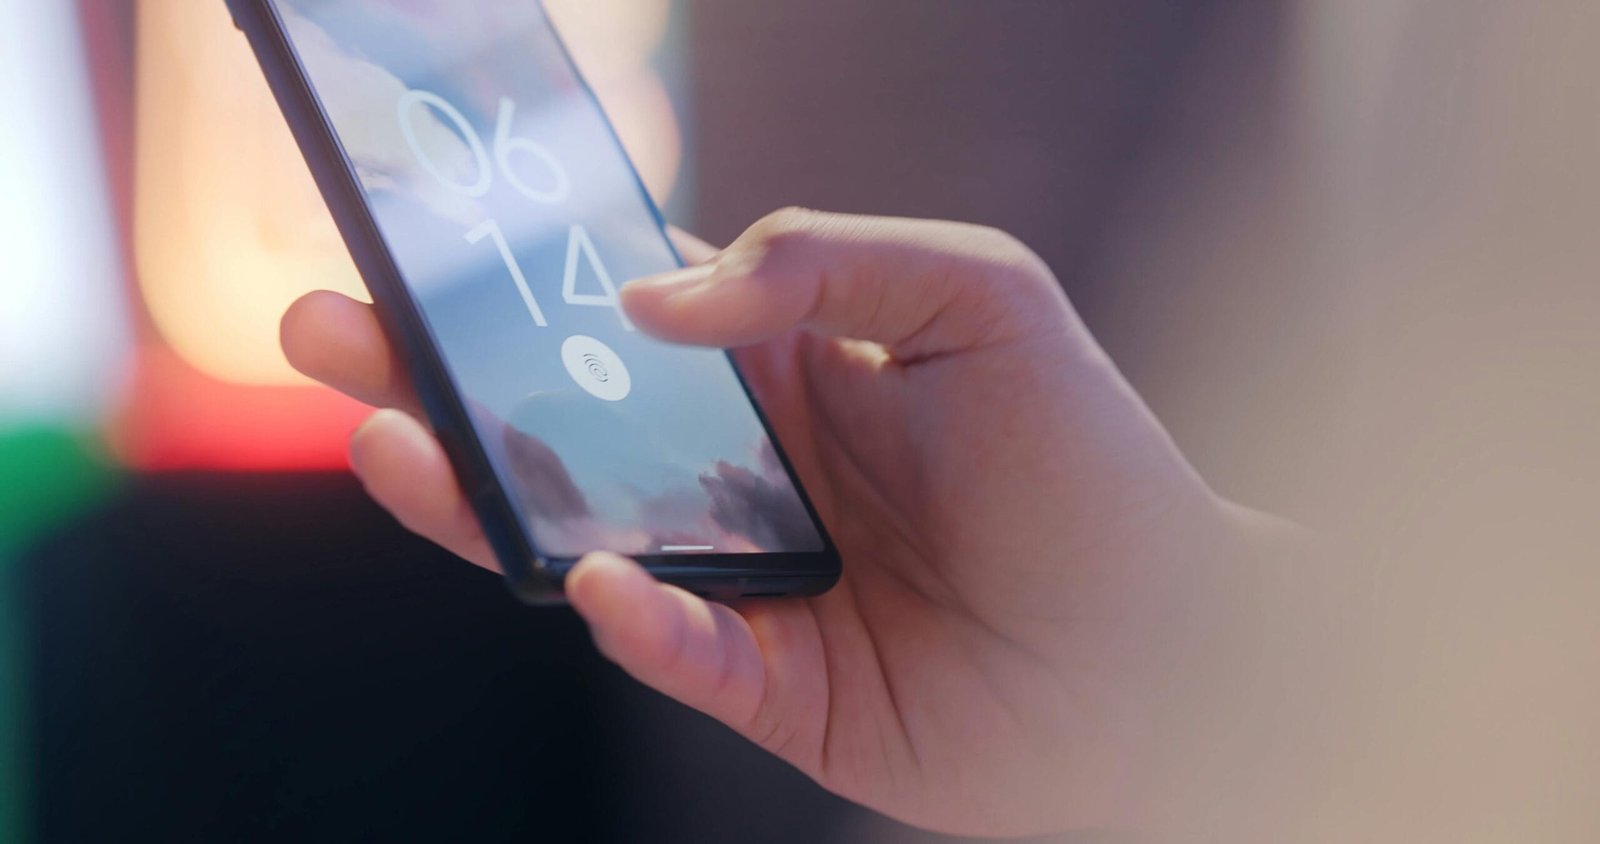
(512, 216)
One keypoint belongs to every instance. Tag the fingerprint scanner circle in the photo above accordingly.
(596, 368)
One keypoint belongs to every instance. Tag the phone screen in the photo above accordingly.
(513, 215)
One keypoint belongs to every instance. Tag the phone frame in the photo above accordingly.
(534, 578)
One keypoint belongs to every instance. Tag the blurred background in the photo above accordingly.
(1345, 250)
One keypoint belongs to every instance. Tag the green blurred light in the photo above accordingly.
(47, 476)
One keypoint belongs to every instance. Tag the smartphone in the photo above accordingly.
(493, 213)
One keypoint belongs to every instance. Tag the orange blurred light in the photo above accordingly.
(228, 229)
(228, 226)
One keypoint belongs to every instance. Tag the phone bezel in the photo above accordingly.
(533, 577)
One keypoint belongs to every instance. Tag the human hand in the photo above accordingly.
(1030, 565)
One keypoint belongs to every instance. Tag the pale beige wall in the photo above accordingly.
(1414, 229)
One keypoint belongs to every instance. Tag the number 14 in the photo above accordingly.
(579, 247)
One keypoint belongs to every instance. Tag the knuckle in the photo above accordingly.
(1008, 291)
(785, 229)
(779, 242)
(788, 220)
(1011, 262)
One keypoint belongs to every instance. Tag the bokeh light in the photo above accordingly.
(229, 228)
(62, 338)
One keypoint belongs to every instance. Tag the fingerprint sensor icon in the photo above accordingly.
(596, 368)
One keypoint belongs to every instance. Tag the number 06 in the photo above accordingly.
(505, 146)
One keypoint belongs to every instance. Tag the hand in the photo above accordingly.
(1031, 568)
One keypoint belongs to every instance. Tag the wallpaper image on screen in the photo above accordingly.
(513, 217)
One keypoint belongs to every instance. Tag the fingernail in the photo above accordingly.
(675, 282)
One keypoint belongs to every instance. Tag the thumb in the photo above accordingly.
(702, 654)
(921, 288)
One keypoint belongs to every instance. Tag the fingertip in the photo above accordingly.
(316, 328)
(661, 289)
(375, 437)
(702, 654)
(403, 467)
(706, 305)
(596, 578)
(297, 330)
(627, 610)
(639, 299)
(337, 340)
(648, 304)
(405, 470)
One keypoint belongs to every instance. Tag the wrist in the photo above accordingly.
(1258, 715)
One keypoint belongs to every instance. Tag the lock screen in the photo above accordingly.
(513, 216)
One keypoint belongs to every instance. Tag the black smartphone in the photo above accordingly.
(492, 212)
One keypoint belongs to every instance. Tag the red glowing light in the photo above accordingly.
(177, 418)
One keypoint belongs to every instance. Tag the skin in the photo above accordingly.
(1032, 571)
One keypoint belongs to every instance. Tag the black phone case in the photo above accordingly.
(534, 578)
